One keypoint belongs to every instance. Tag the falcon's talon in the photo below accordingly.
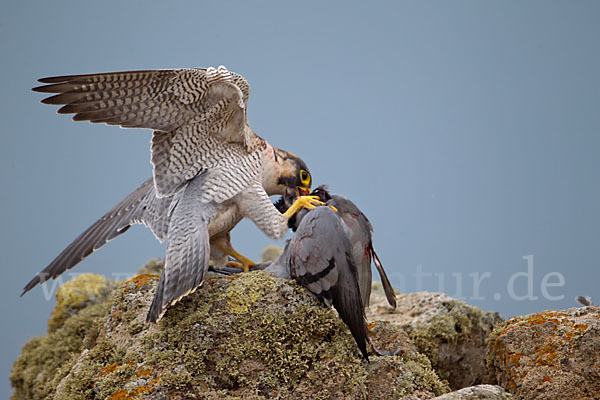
(235, 264)
(333, 208)
(308, 202)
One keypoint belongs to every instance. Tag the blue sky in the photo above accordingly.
(468, 132)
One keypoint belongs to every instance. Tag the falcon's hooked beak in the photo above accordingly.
(302, 191)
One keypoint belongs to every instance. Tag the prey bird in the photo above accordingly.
(319, 257)
(210, 169)
(330, 254)
(360, 234)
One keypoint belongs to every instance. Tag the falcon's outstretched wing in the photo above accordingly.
(194, 113)
(140, 207)
(320, 259)
(162, 100)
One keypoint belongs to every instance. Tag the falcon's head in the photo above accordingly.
(286, 170)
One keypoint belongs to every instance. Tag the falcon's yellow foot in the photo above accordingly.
(308, 202)
(244, 262)
(235, 264)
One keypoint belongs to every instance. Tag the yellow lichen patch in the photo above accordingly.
(76, 294)
(140, 281)
(245, 291)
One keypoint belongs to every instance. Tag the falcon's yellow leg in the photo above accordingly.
(245, 262)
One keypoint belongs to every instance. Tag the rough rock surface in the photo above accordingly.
(549, 355)
(479, 392)
(449, 332)
(246, 336)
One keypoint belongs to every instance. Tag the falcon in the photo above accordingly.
(210, 169)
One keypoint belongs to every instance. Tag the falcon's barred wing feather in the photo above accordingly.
(195, 113)
(320, 259)
(140, 207)
(155, 99)
(188, 249)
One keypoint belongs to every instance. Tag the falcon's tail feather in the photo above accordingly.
(188, 250)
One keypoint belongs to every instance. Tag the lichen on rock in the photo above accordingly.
(548, 355)
(244, 336)
(46, 360)
(76, 294)
(451, 333)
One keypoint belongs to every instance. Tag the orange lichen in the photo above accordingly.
(547, 354)
(109, 369)
(143, 373)
(558, 328)
(212, 281)
(142, 280)
(546, 379)
(124, 394)
(119, 395)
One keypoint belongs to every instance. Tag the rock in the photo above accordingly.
(479, 392)
(549, 355)
(270, 253)
(449, 332)
(246, 336)
(152, 267)
(46, 359)
(76, 294)
(407, 377)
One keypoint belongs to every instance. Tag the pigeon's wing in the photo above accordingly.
(360, 232)
(320, 259)
(188, 249)
(140, 207)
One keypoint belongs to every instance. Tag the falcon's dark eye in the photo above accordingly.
(304, 178)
